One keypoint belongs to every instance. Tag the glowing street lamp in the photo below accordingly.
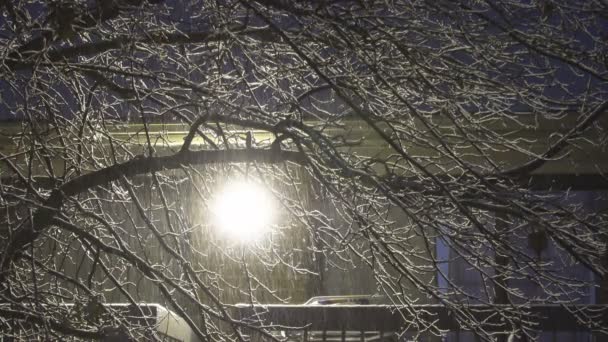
(243, 211)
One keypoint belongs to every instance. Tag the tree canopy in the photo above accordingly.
(384, 131)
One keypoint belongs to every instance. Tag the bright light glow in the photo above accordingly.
(243, 211)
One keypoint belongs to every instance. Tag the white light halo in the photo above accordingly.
(243, 211)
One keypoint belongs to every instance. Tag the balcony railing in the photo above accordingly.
(381, 322)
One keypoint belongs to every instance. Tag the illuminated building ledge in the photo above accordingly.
(387, 318)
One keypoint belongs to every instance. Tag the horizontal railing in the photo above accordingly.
(389, 318)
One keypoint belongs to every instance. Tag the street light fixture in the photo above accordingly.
(243, 211)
